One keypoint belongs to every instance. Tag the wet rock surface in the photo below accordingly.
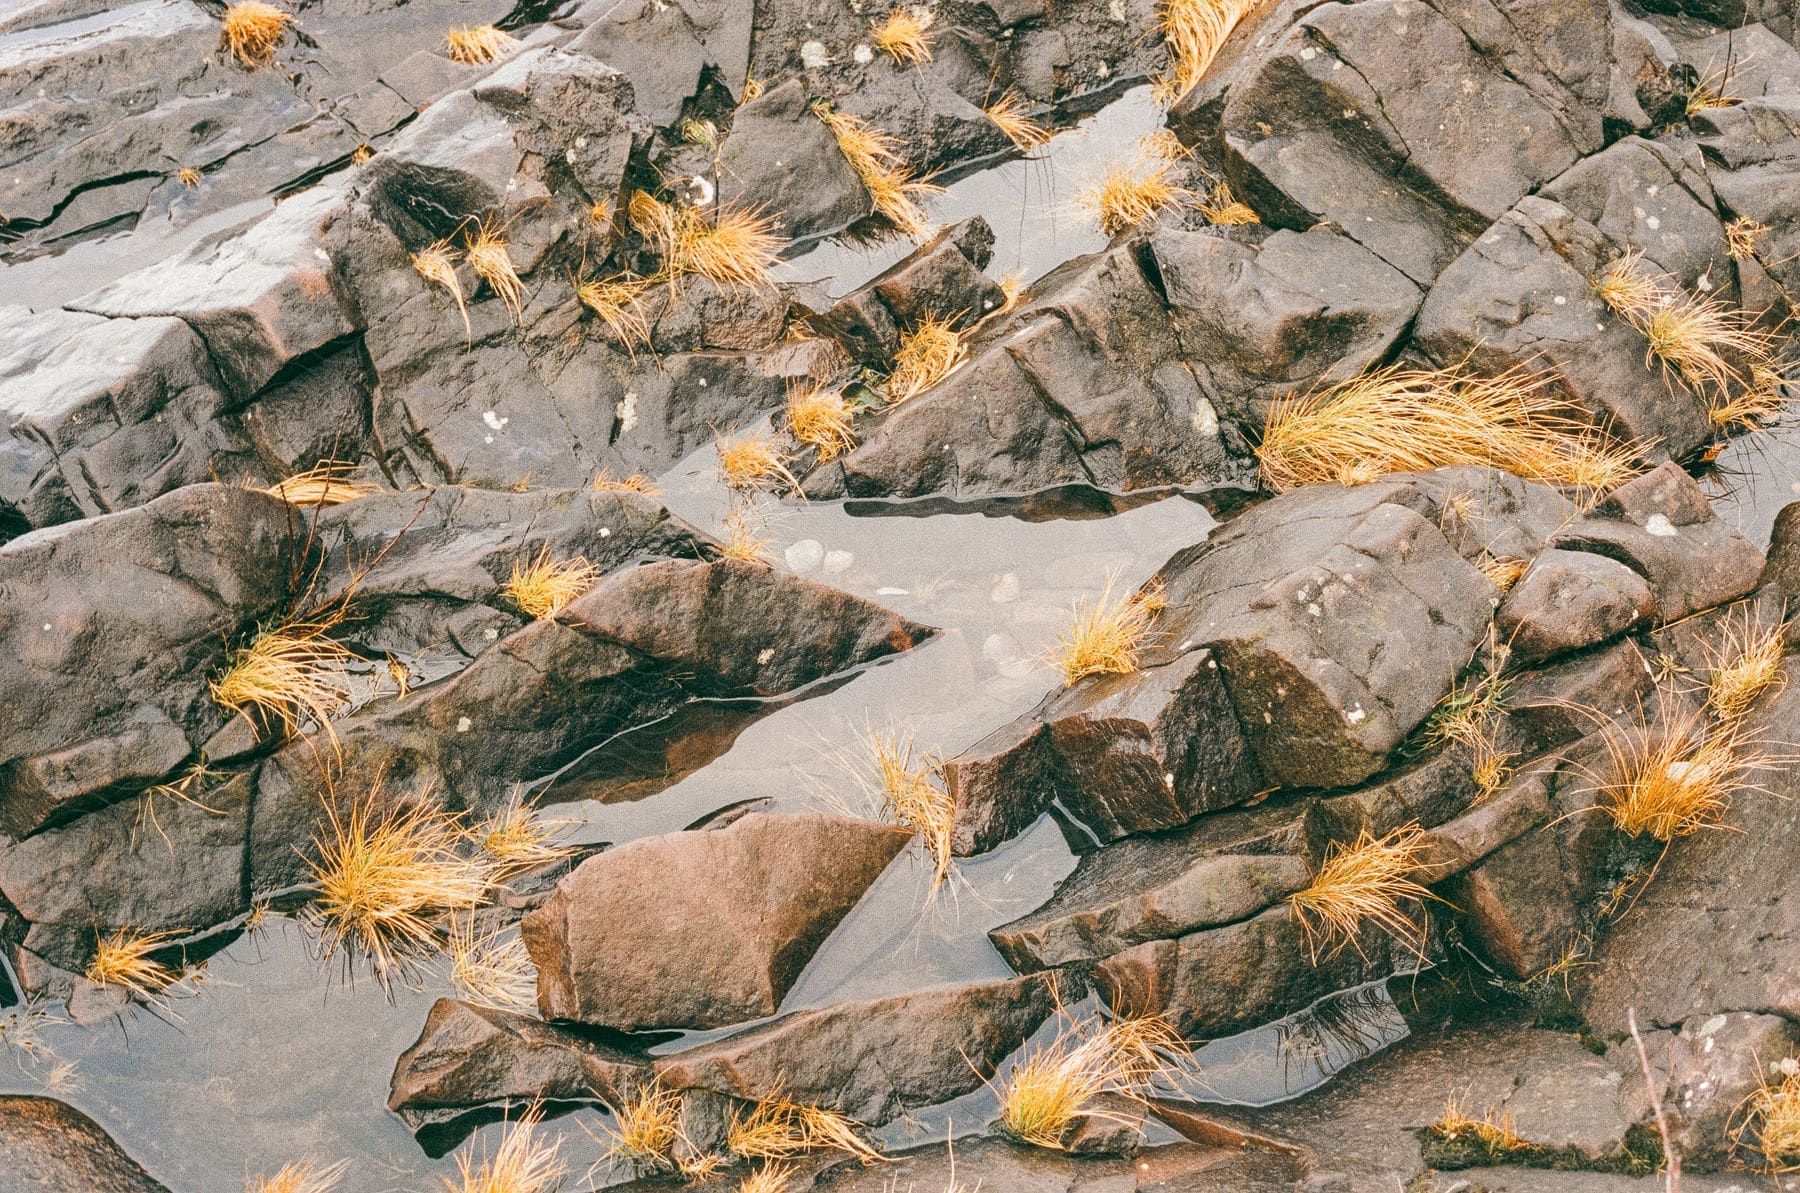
(473, 304)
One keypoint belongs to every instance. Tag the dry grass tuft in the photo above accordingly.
(1762, 401)
(1504, 570)
(491, 969)
(253, 29)
(770, 1178)
(746, 538)
(524, 1163)
(361, 154)
(819, 417)
(305, 1177)
(753, 461)
(290, 672)
(1366, 881)
(123, 960)
(1055, 1084)
(1397, 419)
(1773, 1118)
(326, 483)
(188, 176)
(1711, 91)
(1008, 115)
(1745, 663)
(1703, 342)
(1674, 779)
(905, 36)
(477, 45)
(645, 1127)
(882, 168)
(1131, 192)
(544, 585)
(637, 482)
(912, 798)
(738, 246)
(928, 353)
(381, 877)
(779, 1128)
(518, 839)
(615, 301)
(436, 263)
(700, 1167)
(1105, 636)
(1194, 30)
(1223, 208)
(1741, 235)
(1494, 1132)
(1631, 291)
(488, 257)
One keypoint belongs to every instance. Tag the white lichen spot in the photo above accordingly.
(700, 191)
(1206, 419)
(1653, 223)
(494, 421)
(764, 655)
(862, 54)
(1660, 526)
(1355, 715)
(463, 724)
(1169, 779)
(1561, 300)
(1268, 718)
(1309, 53)
(813, 55)
(1314, 610)
(627, 413)
(1116, 10)
(606, 532)
(581, 142)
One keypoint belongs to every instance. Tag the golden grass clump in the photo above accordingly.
(1672, 780)
(1711, 91)
(905, 36)
(491, 969)
(436, 263)
(544, 585)
(380, 878)
(645, 1127)
(517, 839)
(1772, 1116)
(361, 154)
(1053, 1085)
(615, 301)
(770, 1178)
(1221, 207)
(637, 482)
(1745, 662)
(737, 246)
(476, 45)
(253, 29)
(307, 1176)
(1631, 291)
(878, 163)
(911, 798)
(1741, 235)
(123, 960)
(1194, 31)
(1365, 881)
(291, 672)
(1397, 419)
(746, 537)
(523, 1163)
(1762, 401)
(778, 1128)
(487, 255)
(1703, 342)
(1105, 636)
(753, 461)
(819, 417)
(188, 176)
(929, 352)
(1131, 192)
(1504, 570)
(326, 483)
(1492, 1131)
(1008, 115)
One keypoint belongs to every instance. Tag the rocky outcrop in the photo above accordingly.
(47, 1144)
(703, 928)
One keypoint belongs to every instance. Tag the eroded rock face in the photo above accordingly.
(111, 629)
(46, 1144)
(701, 929)
(467, 1056)
(875, 1060)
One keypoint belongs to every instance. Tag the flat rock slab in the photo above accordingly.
(705, 928)
(47, 1145)
(874, 1060)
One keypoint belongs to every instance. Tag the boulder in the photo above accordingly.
(779, 155)
(878, 1059)
(941, 279)
(468, 1056)
(46, 1144)
(1262, 319)
(1567, 600)
(664, 49)
(701, 929)
(1083, 384)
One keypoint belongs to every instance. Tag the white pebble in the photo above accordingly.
(1006, 589)
(805, 555)
(838, 561)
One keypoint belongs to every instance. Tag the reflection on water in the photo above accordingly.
(1754, 477)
